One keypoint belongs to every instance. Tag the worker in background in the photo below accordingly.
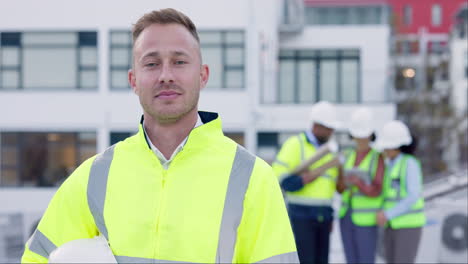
(403, 211)
(309, 196)
(361, 197)
(178, 190)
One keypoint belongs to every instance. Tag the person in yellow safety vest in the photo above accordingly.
(403, 210)
(178, 190)
(361, 197)
(309, 196)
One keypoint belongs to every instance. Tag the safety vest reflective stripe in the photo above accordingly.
(40, 244)
(290, 257)
(366, 210)
(97, 187)
(282, 163)
(234, 203)
(301, 144)
(125, 259)
(294, 199)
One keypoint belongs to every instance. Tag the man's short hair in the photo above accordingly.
(164, 17)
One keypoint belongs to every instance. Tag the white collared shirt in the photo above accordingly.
(165, 162)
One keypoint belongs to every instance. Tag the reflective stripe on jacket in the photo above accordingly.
(364, 208)
(215, 203)
(395, 190)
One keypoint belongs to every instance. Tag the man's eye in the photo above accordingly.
(152, 64)
(180, 62)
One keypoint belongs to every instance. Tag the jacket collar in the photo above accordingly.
(211, 128)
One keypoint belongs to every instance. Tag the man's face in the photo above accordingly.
(167, 74)
(322, 133)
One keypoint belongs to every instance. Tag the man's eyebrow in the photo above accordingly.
(177, 53)
(150, 54)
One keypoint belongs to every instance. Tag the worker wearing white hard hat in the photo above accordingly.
(361, 195)
(309, 193)
(403, 208)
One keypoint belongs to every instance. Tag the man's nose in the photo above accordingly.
(166, 75)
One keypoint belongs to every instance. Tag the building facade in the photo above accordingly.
(64, 94)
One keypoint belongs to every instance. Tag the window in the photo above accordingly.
(307, 76)
(120, 59)
(407, 15)
(42, 158)
(48, 60)
(345, 15)
(436, 15)
(222, 50)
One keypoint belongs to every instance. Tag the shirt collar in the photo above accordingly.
(312, 139)
(165, 162)
(394, 161)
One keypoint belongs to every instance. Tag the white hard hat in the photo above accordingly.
(360, 125)
(324, 113)
(92, 250)
(393, 135)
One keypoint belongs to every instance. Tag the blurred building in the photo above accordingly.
(64, 94)
(422, 57)
(458, 76)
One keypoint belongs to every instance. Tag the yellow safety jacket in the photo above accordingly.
(364, 208)
(215, 203)
(294, 151)
(395, 190)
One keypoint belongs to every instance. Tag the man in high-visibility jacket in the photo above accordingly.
(309, 196)
(178, 190)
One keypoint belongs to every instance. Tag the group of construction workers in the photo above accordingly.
(378, 178)
(180, 191)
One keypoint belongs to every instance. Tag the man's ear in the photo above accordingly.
(132, 80)
(204, 75)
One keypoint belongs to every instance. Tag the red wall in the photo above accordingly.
(422, 16)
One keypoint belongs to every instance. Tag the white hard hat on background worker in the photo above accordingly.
(361, 125)
(324, 113)
(92, 250)
(393, 135)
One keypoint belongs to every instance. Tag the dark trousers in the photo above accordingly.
(359, 242)
(401, 245)
(312, 239)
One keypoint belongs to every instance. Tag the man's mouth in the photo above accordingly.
(167, 95)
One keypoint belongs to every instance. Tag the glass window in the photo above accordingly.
(42, 158)
(10, 56)
(350, 80)
(48, 60)
(307, 76)
(307, 80)
(436, 15)
(329, 80)
(10, 79)
(224, 52)
(287, 81)
(407, 15)
(344, 15)
(49, 68)
(213, 56)
(120, 59)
